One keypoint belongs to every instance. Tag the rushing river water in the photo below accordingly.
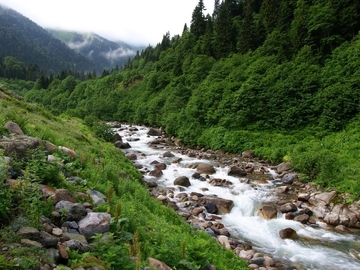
(316, 247)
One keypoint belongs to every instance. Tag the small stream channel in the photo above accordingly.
(316, 248)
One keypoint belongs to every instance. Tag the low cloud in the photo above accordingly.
(118, 53)
(78, 45)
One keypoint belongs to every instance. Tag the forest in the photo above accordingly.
(276, 76)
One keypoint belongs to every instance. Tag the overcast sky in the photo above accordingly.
(138, 22)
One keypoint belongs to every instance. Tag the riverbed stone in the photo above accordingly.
(268, 211)
(288, 207)
(182, 181)
(224, 241)
(236, 171)
(281, 189)
(122, 145)
(248, 154)
(168, 154)
(63, 195)
(224, 206)
(283, 167)
(154, 132)
(205, 169)
(160, 166)
(96, 196)
(289, 178)
(326, 196)
(29, 233)
(302, 218)
(288, 233)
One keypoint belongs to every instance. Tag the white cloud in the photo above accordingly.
(118, 53)
(139, 22)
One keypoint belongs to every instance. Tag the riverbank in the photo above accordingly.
(289, 201)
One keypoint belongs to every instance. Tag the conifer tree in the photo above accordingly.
(198, 22)
(247, 40)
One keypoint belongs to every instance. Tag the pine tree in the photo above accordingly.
(247, 40)
(198, 21)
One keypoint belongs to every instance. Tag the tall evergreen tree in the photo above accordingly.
(270, 12)
(247, 40)
(198, 21)
(216, 9)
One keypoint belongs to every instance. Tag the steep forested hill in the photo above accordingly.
(24, 40)
(105, 53)
(279, 77)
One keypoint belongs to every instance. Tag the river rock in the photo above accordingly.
(160, 166)
(122, 145)
(154, 132)
(288, 233)
(13, 128)
(283, 167)
(94, 223)
(326, 196)
(77, 245)
(168, 154)
(248, 154)
(117, 137)
(72, 211)
(281, 189)
(289, 178)
(205, 169)
(303, 197)
(19, 146)
(268, 211)
(224, 241)
(131, 156)
(159, 265)
(182, 181)
(288, 207)
(30, 243)
(156, 172)
(236, 171)
(211, 207)
(303, 218)
(224, 206)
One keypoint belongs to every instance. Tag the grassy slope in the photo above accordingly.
(158, 231)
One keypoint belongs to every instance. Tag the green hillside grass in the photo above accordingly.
(145, 227)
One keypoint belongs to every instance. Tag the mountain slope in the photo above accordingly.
(29, 43)
(105, 53)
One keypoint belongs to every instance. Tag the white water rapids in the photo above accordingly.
(316, 247)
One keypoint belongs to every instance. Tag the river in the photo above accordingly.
(317, 247)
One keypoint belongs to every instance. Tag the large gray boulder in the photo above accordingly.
(205, 169)
(94, 223)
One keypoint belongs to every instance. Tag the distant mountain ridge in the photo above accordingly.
(107, 54)
(29, 43)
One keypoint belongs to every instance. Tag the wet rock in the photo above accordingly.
(13, 128)
(303, 197)
(122, 145)
(160, 166)
(302, 218)
(117, 137)
(281, 189)
(288, 233)
(94, 223)
(288, 207)
(289, 178)
(156, 173)
(210, 232)
(205, 169)
(168, 154)
(289, 216)
(154, 132)
(257, 261)
(182, 181)
(211, 207)
(268, 211)
(132, 156)
(223, 206)
(236, 171)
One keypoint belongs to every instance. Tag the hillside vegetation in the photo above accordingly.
(278, 77)
(141, 227)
